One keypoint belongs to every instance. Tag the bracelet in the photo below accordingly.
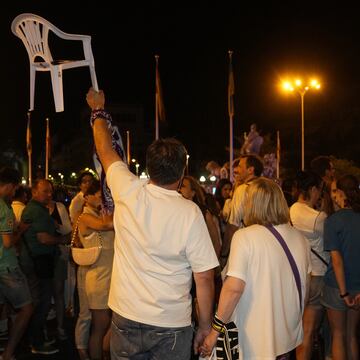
(218, 325)
(99, 114)
(344, 295)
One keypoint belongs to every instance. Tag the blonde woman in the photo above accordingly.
(260, 294)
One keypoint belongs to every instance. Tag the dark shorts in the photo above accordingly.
(331, 299)
(316, 289)
(14, 288)
(130, 338)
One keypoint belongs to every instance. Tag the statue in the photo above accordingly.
(253, 142)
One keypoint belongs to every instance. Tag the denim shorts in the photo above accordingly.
(316, 288)
(131, 339)
(14, 288)
(331, 299)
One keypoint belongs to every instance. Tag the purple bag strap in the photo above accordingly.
(290, 258)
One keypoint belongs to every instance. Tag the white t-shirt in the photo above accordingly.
(76, 206)
(64, 228)
(226, 210)
(310, 223)
(268, 314)
(160, 239)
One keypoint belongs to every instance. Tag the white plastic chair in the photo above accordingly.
(33, 30)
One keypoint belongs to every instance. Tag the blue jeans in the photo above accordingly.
(14, 287)
(137, 341)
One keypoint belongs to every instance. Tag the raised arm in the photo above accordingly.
(102, 137)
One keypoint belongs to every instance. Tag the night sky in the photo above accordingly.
(269, 42)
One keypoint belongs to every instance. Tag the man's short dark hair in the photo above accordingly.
(166, 161)
(305, 180)
(320, 164)
(36, 183)
(255, 162)
(9, 176)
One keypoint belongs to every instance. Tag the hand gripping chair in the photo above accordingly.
(33, 30)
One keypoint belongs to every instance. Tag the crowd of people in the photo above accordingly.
(256, 271)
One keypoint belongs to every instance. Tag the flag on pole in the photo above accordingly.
(29, 148)
(28, 137)
(47, 149)
(231, 93)
(48, 140)
(159, 95)
(231, 88)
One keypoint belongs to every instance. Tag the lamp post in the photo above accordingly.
(298, 86)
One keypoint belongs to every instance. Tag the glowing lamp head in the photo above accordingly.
(287, 86)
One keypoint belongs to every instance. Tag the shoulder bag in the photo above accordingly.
(85, 256)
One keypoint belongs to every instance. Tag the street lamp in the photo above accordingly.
(301, 88)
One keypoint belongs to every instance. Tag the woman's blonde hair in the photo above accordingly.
(265, 203)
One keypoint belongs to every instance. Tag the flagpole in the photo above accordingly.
(231, 91)
(278, 154)
(231, 148)
(156, 100)
(128, 146)
(28, 148)
(47, 149)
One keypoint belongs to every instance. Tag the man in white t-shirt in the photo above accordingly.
(249, 168)
(161, 240)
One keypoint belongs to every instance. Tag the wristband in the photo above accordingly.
(218, 325)
(99, 114)
(344, 295)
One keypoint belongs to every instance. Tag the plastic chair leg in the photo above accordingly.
(93, 78)
(32, 87)
(57, 86)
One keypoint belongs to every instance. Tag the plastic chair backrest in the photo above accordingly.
(33, 30)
